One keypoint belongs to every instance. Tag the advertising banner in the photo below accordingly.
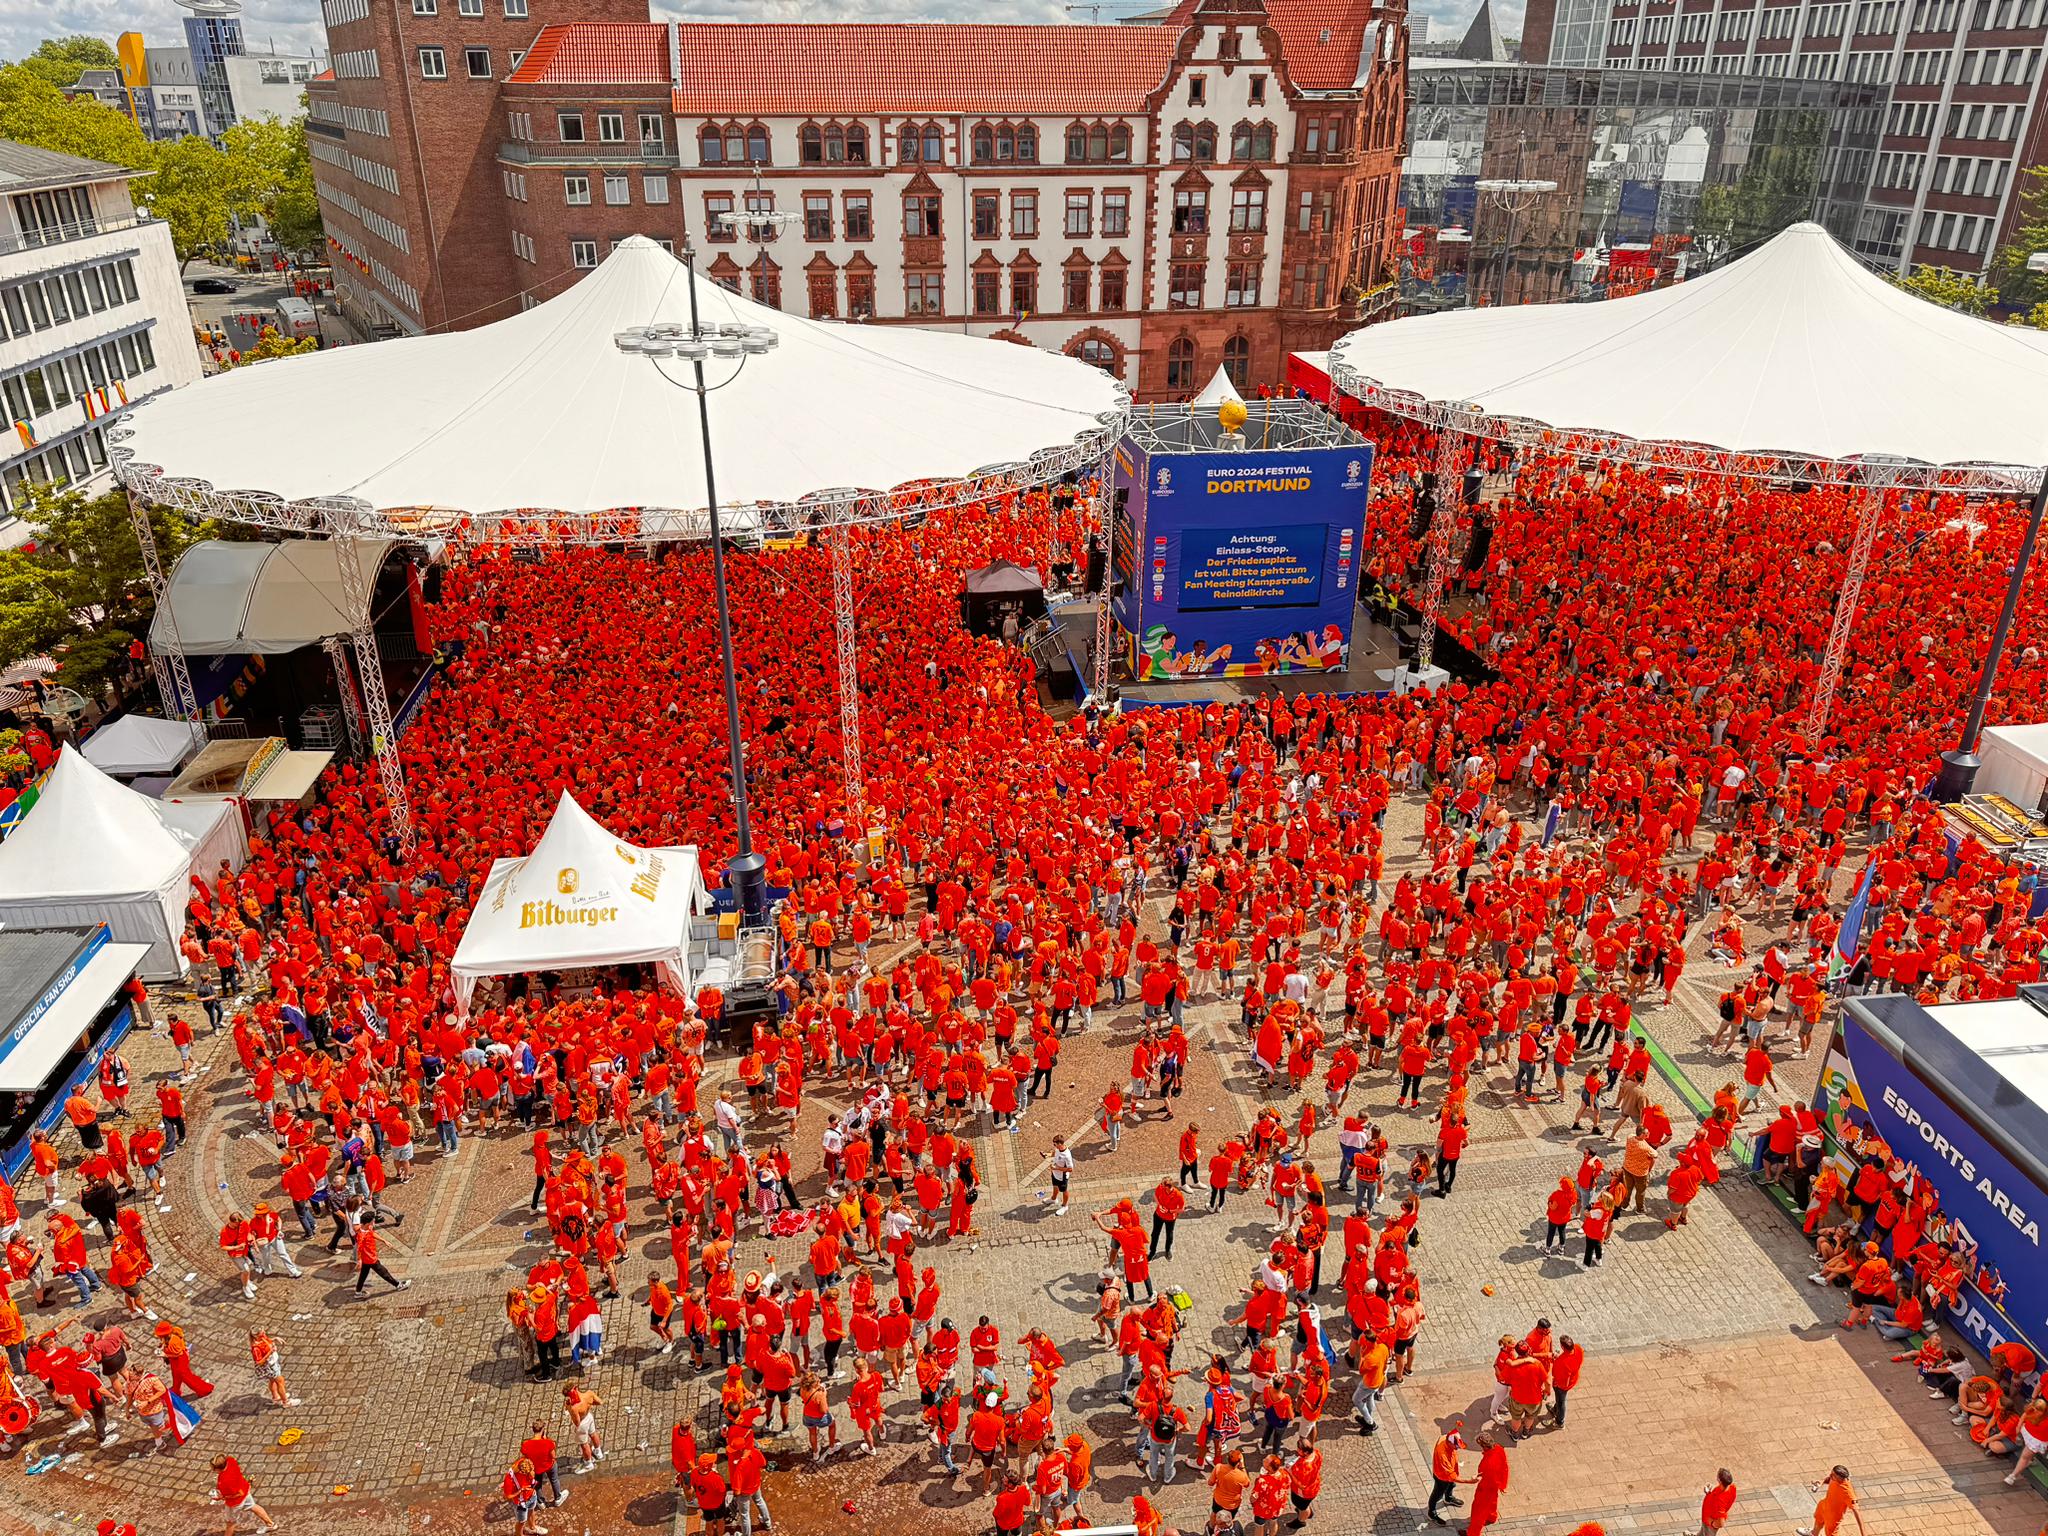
(1242, 564)
(1991, 1203)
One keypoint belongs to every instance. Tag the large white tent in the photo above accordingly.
(139, 744)
(263, 599)
(1796, 351)
(94, 851)
(582, 898)
(543, 411)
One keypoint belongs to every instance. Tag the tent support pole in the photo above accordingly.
(351, 702)
(1878, 477)
(356, 589)
(847, 645)
(1443, 522)
(1105, 513)
(173, 676)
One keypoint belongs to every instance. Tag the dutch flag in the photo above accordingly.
(184, 1419)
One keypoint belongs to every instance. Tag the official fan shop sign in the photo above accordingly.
(1995, 1206)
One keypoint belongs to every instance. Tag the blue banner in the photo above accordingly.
(1636, 219)
(1239, 564)
(1993, 1205)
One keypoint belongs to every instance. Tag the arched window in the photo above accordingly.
(1183, 141)
(757, 144)
(1262, 142)
(1098, 143)
(1095, 350)
(835, 144)
(934, 144)
(906, 144)
(1077, 144)
(856, 145)
(1120, 144)
(985, 145)
(811, 144)
(736, 144)
(1180, 363)
(1027, 145)
(710, 147)
(1205, 141)
(1006, 143)
(1241, 142)
(1237, 359)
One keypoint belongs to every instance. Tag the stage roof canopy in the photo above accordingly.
(542, 414)
(1796, 351)
(263, 599)
(139, 744)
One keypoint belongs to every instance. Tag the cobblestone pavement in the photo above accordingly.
(1707, 1348)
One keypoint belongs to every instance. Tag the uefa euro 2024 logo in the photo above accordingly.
(1352, 471)
(1165, 481)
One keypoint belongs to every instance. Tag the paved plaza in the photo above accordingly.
(1706, 1346)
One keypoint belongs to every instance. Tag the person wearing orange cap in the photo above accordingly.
(709, 1490)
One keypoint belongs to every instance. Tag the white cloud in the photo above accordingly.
(294, 25)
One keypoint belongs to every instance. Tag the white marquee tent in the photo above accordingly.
(93, 851)
(582, 898)
(1796, 350)
(542, 410)
(139, 744)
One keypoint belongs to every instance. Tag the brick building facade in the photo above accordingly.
(1216, 189)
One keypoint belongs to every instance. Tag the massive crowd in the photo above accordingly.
(1653, 656)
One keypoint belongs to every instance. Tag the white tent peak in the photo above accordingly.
(542, 412)
(137, 744)
(1218, 390)
(1795, 349)
(83, 826)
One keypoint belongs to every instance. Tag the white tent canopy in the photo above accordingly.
(137, 744)
(582, 898)
(1796, 349)
(93, 851)
(542, 411)
(2015, 763)
(1218, 390)
(263, 599)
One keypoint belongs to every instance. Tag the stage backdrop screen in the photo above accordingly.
(1246, 563)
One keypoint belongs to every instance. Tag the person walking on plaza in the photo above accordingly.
(1837, 1498)
(233, 1489)
(1443, 1470)
(1716, 1502)
(582, 1406)
(1489, 1485)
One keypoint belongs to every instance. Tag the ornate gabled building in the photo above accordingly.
(1218, 188)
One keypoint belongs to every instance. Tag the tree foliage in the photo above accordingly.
(2017, 287)
(272, 344)
(1951, 290)
(261, 166)
(87, 547)
(61, 60)
(33, 613)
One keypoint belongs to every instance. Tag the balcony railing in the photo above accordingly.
(49, 235)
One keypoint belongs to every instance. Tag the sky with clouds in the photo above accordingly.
(294, 25)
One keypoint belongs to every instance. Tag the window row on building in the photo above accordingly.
(39, 303)
(57, 381)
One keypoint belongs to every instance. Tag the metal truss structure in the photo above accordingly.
(830, 514)
(173, 676)
(351, 704)
(1105, 516)
(1880, 474)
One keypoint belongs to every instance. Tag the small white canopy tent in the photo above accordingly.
(139, 744)
(2015, 764)
(1218, 390)
(94, 851)
(1796, 349)
(263, 599)
(543, 411)
(582, 898)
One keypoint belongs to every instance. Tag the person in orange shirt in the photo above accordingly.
(1443, 1469)
(1305, 1480)
(1837, 1499)
(1716, 1502)
(1227, 1483)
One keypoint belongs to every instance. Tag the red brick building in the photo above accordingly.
(1216, 189)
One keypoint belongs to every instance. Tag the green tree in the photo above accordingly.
(33, 613)
(276, 170)
(2017, 287)
(271, 344)
(1951, 290)
(88, 660)
(61, 60)
(2035, 318)
(33, 111)
(86, 545)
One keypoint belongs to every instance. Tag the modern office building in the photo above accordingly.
(92, 317)
(1214, 188)
(1941, 112)
(214, 34)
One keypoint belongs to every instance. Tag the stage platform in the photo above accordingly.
(1370, 669)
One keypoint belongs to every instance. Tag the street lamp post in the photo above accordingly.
(1516, 195)
(1959, 765)
(694, 343)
